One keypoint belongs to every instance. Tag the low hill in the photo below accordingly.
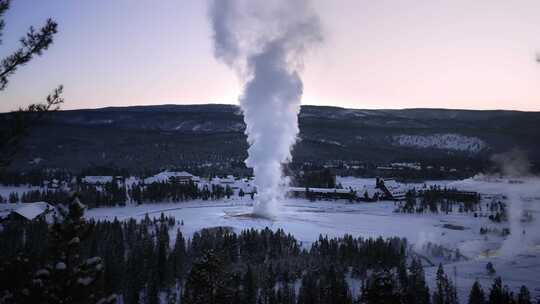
(154, 137)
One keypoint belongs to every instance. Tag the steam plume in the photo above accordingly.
(515, 165)
(264, 42)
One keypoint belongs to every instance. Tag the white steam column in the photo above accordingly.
(264, 42)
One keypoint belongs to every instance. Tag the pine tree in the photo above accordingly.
(524, 296)
(162, 253)
(497, 293)
(178, 256)
(249, 285)
(152, 293)
(67, 278)
(381, 288)
(445, 292)
(476, 296)
(416, 290)
(339, 289)
(307, 294)
(205, 283)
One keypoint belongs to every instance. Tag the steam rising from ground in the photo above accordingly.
(264, 42)
(524, 232)
(514, 163)
(522, 190)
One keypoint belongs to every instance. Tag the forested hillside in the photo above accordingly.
(155, 137)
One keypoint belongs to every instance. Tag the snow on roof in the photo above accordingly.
(32, 210)
(228, 180)
(165, 176)
(97, 179)
(320, 190)
(391, 184)
(183, 174)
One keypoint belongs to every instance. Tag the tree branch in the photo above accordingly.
(34, 43)
(4, 6)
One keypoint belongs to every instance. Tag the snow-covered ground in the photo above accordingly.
(307, 220)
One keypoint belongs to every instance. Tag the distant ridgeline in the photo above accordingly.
(199, 138)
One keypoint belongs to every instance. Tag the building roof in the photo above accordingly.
(97, 179)
(320, 190)
(165, 176)
(32, 210)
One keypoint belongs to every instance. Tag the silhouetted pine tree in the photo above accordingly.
(67, 278)
(249, 287)
(445, 292)
(416, 290)
(524, 296)
(205, 283)
(381, 288)
(499, 294)
(178, 256)
(308, 290)
(477, 296)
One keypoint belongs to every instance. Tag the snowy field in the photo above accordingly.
(307, 220)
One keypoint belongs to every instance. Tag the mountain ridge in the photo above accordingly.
(153, 137)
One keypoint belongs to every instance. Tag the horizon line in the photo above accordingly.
(302, 105)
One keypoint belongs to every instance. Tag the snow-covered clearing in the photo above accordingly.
(307, 220)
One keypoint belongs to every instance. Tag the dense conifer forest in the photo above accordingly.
(151, 261)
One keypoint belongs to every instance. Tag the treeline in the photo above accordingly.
(324, 178)
(141, 266)
(33, 177)
(177, 192)
(437, 199)
(113, 194)
(216, 265)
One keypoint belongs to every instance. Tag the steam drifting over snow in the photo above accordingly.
(264, 42)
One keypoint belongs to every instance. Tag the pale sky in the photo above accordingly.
(377, 54)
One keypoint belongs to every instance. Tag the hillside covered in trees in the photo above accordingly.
(194, 135)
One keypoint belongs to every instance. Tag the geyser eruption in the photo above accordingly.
(264, 42)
